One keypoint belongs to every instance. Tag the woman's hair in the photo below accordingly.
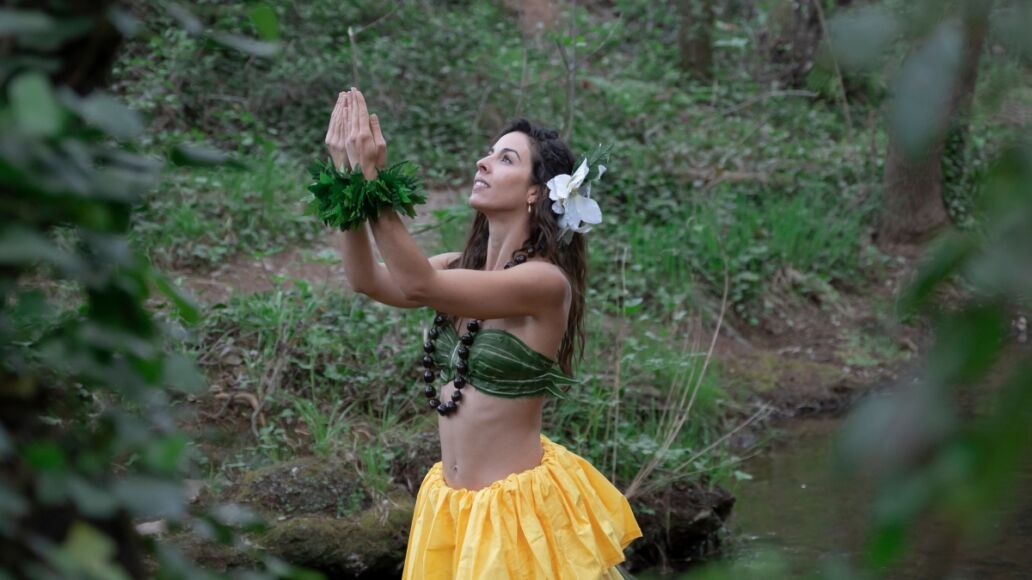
(549, 157)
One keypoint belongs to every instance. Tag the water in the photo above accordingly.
(797, 508)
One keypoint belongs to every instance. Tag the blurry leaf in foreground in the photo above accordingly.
(180, 373)
(923, 88)
(967, 344)
(264, 18)
(860, 37)
(184, 304)
(197, 156)
(246, 45)
(186, 19)
(108, 114)
(35, 109)
(949, 254)
(24, 23)
(889, 433)
(88, 553)
(1012, 23)
(151, 497)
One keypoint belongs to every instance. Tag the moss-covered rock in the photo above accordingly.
(310, 485)
(369, 544)
(680, 523)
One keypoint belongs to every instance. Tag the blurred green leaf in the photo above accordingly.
(186, 19)
(166, 454)
(264, 18)
(88, 553)
(967, 344)
(44, 456)
(108, 114)
(185, 306)
(886, 545)
(12, 504)
(948, 256)
(633, 305)
(35, 108)
(151, 497)
(91, 501)
(196, 156)
(918, 111)
(246, 45)
(860, 37)
(24, 22)
(22, 247)
(181, 373)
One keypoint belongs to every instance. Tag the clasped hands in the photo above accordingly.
(354, 137)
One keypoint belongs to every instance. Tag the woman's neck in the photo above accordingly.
(503, 239)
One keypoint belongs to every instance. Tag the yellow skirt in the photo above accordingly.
(559, 520)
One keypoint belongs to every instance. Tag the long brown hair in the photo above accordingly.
(549, 157)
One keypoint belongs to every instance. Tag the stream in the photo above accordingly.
(808, 517)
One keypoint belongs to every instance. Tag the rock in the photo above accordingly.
(370, 544)
(681, 523)
(310, 485)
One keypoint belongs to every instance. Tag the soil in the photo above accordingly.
(319, 264)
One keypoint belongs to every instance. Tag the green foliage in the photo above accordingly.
(87, 440)
(347, 200)
(202, 217)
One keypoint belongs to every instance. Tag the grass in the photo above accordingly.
(200, 218)
(706, 178)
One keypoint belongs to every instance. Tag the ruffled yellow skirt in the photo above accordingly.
(559, 520)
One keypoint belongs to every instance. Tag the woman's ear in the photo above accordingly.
(532, 192)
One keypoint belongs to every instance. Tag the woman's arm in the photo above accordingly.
(533, 288)
(366, 276)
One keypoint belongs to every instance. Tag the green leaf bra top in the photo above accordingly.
(499, 364)
(493, 360)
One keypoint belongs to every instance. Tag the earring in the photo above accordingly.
(529, 206)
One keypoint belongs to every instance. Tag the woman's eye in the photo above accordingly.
(506, 159)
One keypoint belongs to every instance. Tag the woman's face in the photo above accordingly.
(503, 181)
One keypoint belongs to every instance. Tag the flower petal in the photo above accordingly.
(557, 207)
(571, 218)
(580, 174)
(587, 209)
(559, 187)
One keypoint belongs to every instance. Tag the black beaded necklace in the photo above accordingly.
(473, 326)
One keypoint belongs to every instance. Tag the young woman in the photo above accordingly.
(504, 501)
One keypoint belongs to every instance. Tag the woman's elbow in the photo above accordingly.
(357, 287)
(414, 293)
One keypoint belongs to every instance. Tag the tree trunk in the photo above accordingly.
(696, 37)
(913, 209)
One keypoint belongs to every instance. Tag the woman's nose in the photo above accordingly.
(482, 165)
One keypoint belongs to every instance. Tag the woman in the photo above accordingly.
(504, 501)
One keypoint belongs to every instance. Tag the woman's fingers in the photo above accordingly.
(381, 143)
(334, 116)
(361, 111)
(340, 129)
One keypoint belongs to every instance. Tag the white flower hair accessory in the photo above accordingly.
(571, 196)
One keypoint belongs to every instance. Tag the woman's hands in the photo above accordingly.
(354, 136)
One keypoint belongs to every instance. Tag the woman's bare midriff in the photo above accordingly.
(489, 438)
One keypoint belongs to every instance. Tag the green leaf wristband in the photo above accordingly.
(346, 200)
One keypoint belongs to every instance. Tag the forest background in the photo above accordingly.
(777, 166)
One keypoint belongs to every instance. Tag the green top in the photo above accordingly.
(500, 364)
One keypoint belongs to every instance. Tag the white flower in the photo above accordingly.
(561, 186)
(573, 203)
